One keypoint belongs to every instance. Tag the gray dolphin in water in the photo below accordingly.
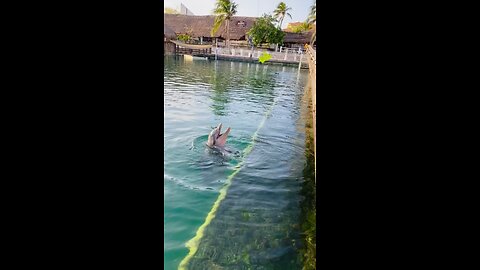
(216, 138)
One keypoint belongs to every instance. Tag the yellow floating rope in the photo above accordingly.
(193, 243)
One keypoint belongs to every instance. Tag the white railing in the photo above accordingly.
(284, 54)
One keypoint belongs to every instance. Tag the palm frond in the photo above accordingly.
(313, 10)
(224, 10)
(217, 23)
(281, 11)
(233, 9)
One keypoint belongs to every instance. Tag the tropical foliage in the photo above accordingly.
(184, 37)
(168, 10)
(224, 11)
(264, 31)
(300, 28)
(312, 20)
(280, 12)
(312, 17)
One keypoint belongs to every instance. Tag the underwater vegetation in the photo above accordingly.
(308, 212)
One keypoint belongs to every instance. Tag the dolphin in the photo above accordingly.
(216, 138)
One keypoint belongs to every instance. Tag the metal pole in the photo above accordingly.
(300, 63)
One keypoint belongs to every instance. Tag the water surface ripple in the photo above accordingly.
(257, 224)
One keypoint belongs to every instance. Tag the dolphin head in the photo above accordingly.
(216, 138)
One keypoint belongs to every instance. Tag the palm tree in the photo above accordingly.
(224, 11)
(280, 13)
(312, 19)
(303, 27)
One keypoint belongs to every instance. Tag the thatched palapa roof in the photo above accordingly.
(299, 38)
(200, 26)
(168, 32)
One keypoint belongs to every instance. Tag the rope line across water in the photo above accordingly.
(193, 243)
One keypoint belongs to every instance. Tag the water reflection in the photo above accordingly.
(220, 86)
(256, 225)
(226, 81)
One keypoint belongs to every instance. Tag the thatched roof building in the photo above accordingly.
(298, 38)
(200, 26)
(168, 33)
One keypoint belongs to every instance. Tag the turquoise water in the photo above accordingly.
(257, 224)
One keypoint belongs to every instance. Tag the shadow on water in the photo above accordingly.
(227, 76)
(262, 86)
(220, 84)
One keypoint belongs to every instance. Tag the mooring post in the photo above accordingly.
(286, 52)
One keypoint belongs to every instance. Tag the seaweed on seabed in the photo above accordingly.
(308, 205)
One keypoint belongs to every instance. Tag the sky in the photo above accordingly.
(248, 8)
